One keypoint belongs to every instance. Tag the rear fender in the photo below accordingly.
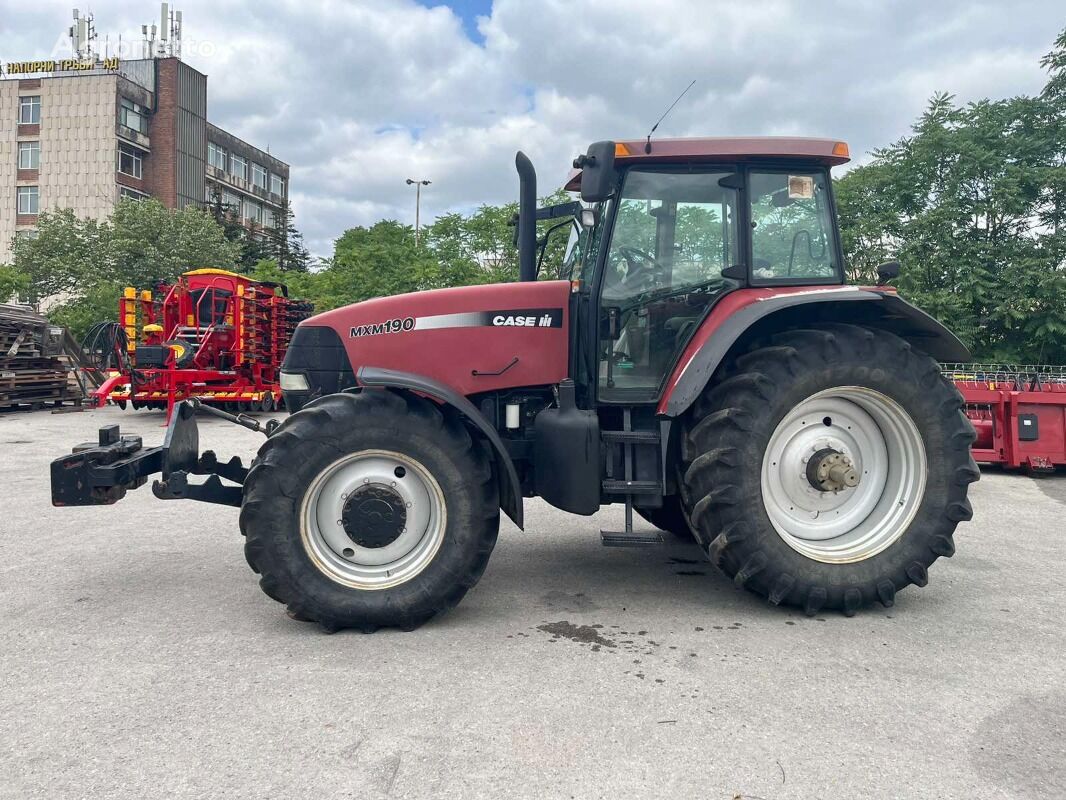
(746, 314)
(510, 489)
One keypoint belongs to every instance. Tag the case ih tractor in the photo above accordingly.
(700, 360)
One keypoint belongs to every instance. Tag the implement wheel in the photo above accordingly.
(829, 469)
(369, 510)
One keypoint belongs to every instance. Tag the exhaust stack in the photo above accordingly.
(527, 218)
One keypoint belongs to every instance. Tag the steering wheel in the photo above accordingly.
(644, 272)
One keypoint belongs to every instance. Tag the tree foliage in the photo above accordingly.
(456, 250)
(79, 267)
(972, 203)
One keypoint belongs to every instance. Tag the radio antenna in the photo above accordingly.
(647, 144)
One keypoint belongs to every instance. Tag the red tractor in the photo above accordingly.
(699, 359)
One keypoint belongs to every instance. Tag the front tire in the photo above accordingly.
(369, 510)
(829, 469)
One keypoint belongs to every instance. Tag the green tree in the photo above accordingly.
(284, 243)
(81, 266)
(254, 240)
(65, 253)
(972, 204)
(378, 261)
(13, 284)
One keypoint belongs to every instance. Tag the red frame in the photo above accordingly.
(238, 350)
(996, 411)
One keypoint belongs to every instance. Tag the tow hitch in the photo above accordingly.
(101, 472)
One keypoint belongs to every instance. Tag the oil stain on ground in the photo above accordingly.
(585, 634)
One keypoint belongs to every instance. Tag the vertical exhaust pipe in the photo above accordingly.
(527, 218)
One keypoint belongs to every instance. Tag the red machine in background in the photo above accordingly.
(213, 334)
(1019, 413)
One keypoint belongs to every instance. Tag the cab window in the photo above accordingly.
(791, 226)
(674, 232)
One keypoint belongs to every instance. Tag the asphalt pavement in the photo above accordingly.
(139, 659)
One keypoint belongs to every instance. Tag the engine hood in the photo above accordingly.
(474, 338)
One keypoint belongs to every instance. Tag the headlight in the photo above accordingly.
(294, 382)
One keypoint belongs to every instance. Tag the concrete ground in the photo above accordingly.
(138, 658)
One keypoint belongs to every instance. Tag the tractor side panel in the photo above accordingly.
(472, 338)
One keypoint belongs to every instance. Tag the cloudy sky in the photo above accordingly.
(358, 95)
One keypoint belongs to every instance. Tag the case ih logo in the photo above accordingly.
(523, 321)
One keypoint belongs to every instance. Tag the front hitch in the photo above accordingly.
(101, 472)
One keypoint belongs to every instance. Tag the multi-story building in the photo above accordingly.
(81, 135)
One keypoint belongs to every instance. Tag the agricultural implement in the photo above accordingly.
(213, 334)
(1019, 413)
(699, 360)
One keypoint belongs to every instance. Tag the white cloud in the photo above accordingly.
(358, 96)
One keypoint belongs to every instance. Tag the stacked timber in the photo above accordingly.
(33, 368)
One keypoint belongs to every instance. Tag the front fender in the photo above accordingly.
(510, 489)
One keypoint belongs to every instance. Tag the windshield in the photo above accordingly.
(672, 230)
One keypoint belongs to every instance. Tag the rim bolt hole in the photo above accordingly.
(399, 472)
(827, 421)
(348, 552)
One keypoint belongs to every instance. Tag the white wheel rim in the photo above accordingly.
(886, 449)
(334, 552)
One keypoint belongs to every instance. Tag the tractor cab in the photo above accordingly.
(679, 227)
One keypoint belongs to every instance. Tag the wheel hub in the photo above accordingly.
(830, 470)
(373, 519)
(843, 474)
(374, 516)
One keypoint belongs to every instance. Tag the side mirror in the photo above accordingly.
(887, 271)
(589, 217)
(597, 172)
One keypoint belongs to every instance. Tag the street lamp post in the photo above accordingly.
(418, 184)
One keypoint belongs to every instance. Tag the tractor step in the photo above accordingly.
(632, 487)
(636, 437)
(631, 539)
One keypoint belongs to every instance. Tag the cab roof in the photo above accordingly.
(826, 152)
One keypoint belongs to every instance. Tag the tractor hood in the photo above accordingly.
(472, 338)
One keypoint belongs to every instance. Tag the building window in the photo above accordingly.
(29, 155)
(132, 194)
(259, 176)
(29, 201)
(232, 202)
(238, 167)
(269, 219)
(30, 110)
(129, 161)
(253, 212)
(277, 184)
(30, 234)
(216, 156)
(133, 116)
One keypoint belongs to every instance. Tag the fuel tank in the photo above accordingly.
(473, 338)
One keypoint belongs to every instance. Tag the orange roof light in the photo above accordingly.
(841, 149)
(620, 149)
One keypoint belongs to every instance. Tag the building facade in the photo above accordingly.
(83, 138)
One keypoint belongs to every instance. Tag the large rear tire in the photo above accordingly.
(829, 469)
(369, 510)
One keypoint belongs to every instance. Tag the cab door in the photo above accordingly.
(673, 232)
